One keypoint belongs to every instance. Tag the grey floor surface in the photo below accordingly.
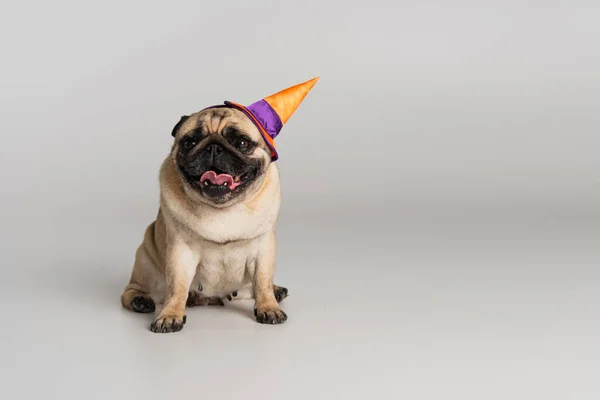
(436, 307)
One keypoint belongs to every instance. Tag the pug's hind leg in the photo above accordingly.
(137, 300)
(139, 294)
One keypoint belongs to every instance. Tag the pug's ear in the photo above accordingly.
(181, 121)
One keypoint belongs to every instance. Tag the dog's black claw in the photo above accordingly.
(234, 294)
(156, 326)
(176, 327)
(168, 324)
(271, 317)
(255, 313)
(229, 297)
(142, 304)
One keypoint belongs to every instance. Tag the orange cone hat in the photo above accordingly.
(271, 113)
(287, 101)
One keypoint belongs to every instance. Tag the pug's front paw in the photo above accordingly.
(270, 315)
(165, 323)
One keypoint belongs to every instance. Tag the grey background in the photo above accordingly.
(440, 224)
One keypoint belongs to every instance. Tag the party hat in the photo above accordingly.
(271, 113)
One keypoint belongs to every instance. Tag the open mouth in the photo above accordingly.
(215, 181)
(213, 178)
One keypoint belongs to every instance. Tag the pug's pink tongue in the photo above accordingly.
(220, 179)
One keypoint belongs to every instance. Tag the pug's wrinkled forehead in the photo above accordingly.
(217, 121)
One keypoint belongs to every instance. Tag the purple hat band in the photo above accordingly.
(264, 114)
(267, 117)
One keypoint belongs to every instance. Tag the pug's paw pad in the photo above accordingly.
(270, 316)
(168, 323)
(143, 304)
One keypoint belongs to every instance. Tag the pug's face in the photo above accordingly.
(220, 155)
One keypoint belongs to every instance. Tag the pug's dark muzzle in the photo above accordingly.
(217, 170)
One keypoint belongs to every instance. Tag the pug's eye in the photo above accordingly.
(242, 144)
(188, 143)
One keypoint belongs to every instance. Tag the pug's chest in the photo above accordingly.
(224, 268)
(233, 226)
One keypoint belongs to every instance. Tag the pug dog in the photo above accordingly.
(214, 235)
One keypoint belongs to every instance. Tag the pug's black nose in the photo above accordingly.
(212, 150)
